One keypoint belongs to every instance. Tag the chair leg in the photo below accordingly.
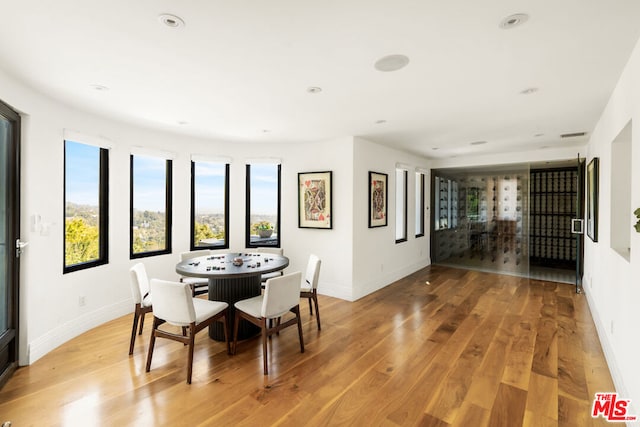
(297, 311)
(236, 322)
(264, 345)
(184, 332)
(133, 331)
(141, 322)
(315, 300)
(152, 343)
(310, 309)
(191, 346)
(227, 339)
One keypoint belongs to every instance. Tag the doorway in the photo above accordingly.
(555, 201)
(511, 219)
(9, 238)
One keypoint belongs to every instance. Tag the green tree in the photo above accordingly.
(82, 242)
(202, 231)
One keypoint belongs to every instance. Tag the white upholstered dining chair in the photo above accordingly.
(309, 286)
(174, 304)
(198, 285)
(140, 291)
(281, 295)
(270, 250)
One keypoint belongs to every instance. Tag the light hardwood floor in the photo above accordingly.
(468, 349)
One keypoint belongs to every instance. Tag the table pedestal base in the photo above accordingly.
(232, 290)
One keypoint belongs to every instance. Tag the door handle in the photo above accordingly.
(577, 226)
(20, 247)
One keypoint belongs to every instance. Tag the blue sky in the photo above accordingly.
(82, 176)
(149, 181)
(82, 173)
(264, 189)
(209, 187)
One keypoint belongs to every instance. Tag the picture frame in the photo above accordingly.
(378, 199)
(592, 199)
(315, 199)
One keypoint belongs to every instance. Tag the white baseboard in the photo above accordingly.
(609, 355)
(71, 329)
(386, 279)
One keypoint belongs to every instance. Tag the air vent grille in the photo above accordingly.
(572, 135)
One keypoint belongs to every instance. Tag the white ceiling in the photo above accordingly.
(239, 70)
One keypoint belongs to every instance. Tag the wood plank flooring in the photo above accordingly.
(467, 349)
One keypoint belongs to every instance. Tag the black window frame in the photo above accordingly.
(420, 221)
(192, 242)
(168, 206)
(103, 209)
(247, 233)
(405, 175)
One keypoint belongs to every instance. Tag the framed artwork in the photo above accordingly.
(592, 199)
(378, 196)
(315, 200)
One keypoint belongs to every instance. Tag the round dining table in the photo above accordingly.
(233, 276)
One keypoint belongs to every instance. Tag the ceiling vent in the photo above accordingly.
(572, 135)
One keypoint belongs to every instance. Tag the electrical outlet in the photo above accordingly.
(612, 327)
(81, 301)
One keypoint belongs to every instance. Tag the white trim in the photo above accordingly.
(143, 151)
(422, 171)
(269, 160)
(609, 353)
(71, 329)
(210, 159)
(96, 141)
(387, 278)
(403, 166)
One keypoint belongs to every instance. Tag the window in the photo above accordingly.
(263, 205)
(401, 205)
(419, 204)
(150, 206)
(473, 204)
(209, 205)
(445, 203)
(86, 206)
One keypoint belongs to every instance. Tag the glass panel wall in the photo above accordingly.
(481, 219)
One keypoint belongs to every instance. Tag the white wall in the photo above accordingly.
(612, 283)
(378, 260)
(50, 310)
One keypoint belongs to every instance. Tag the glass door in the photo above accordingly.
(579, 235)
(9, 239)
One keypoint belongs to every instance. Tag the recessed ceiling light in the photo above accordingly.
(171, 21)
(538, 135)
(513, 21)
(435, 148)
(100, 88)
(379, 122)
(478, 142)
(314, 89)
(391, 63)
(182, 122)
(265, 131)
(529, 91)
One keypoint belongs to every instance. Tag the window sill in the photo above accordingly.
(624, 253)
